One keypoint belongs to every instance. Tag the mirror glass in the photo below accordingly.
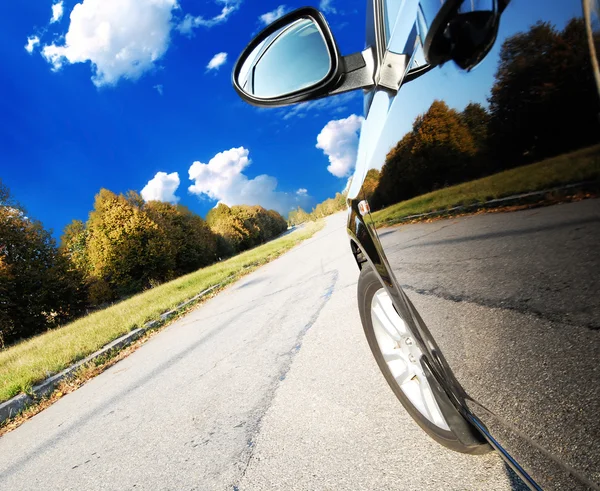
(293, 58)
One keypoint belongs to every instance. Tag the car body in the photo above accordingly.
(485, 325)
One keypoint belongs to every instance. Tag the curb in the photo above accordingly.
(523, 197)
(14, 406)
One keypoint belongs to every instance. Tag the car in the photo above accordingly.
(473, 214)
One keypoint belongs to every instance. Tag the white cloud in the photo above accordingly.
(336, 104)
(302, 192)
(57, 12)
(32, 42)
(216, 61)
(120, 38)
(325, 6)
(191, 22)
(339, 141)
(162, 187)
(222, 180)
(272, 16)
(159, 88)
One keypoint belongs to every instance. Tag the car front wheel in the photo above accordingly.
(402, 363)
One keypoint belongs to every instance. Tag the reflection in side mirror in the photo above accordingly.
(293, 58)
(296, 59)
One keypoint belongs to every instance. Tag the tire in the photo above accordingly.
(404, 370)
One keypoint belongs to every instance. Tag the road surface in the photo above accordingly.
(512, 302)
(269, 385)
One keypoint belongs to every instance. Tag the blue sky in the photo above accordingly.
(116, 91)
(123, 94)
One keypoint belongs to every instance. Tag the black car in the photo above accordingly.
(473, 214)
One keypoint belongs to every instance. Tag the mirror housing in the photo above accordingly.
(344, 74)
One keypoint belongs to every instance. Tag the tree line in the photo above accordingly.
(321, 210)
(544, 102)
(125, 247)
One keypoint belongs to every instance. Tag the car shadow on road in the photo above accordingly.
(516, 483)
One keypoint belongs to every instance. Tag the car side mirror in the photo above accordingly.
(296, 59)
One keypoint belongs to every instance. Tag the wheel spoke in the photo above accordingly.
(402, 374)
(384, 321)
(392, 356)
(430, 404)
(403, 358)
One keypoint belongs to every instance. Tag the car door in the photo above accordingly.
(483, 187)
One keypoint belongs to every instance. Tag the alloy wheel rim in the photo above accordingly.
(403, 356)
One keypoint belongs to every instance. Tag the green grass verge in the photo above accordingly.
(582, 165)
(31, 361)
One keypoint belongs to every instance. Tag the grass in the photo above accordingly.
(27, 363)
(582, 165)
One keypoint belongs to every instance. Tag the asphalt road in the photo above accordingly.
(269, 385)
(511, 300)
(542, 260)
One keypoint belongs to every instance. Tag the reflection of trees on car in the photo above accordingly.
(543, 103)
(440, 150)
(370, 183)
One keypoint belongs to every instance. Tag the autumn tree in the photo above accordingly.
(38, 288)
(242, 226)
(127, 250)
(329, 206)
(229, 227)
(298, 216)
(370, 183)
(437, 152)
(271, 223)
(73, 244)
(191, 239)
(477, 119)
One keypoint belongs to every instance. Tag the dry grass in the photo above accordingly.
(31, 361)
(582, 165)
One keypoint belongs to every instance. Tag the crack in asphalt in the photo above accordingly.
(505, 305)
(254, 429)
(127, 391)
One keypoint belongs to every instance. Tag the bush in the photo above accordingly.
(243, 227)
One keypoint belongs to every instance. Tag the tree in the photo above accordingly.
(437, 152)
(127, 250)
(544, 101)
(370, 183)
(191, 239)
(230, 227)
(329, 206)
(242, 226)
(270, 223)
(477, 120)
(38, 288)
(73, 244)
(298, 216)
